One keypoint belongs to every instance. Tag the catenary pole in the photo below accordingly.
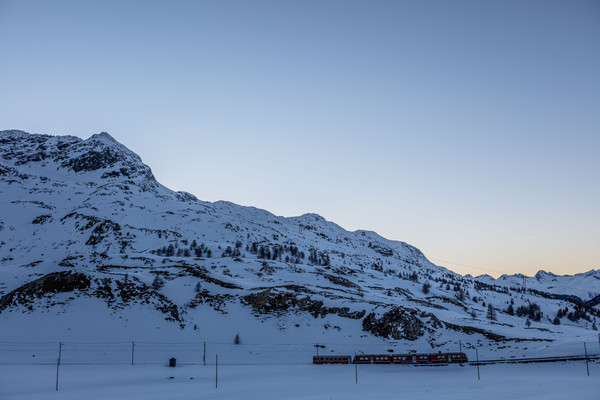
(132, 351)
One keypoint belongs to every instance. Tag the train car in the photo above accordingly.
(363, 359)
(439, 358)
(422, 358)
(458, 357)
(403, 359)
(331, 359)
(382, 359)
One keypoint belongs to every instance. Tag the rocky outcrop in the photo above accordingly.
(397, 323)
(55, 282)
(270, 302)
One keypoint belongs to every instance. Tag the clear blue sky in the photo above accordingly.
(469, 129)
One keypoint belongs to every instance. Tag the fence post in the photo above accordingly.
(587, 366)
(59, 352)
(477, 355)
(132, 351)
(57, 365)
(356, 372)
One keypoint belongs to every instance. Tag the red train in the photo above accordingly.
(435, 358)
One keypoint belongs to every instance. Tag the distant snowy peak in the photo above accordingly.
(584, 285)
(100, 156)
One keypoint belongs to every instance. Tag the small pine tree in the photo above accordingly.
(510, 310)
(237, 339)
(556, 321)
(170, 251)
(157, 283)
(528, 323)
(426, 287)
(491, 312)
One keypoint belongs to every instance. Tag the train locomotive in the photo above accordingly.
(434, 358)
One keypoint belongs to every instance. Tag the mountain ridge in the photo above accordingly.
(91, 207)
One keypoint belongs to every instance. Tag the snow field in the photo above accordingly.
(518, 381)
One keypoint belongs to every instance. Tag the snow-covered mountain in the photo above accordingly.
(91, 245)
(584, 286)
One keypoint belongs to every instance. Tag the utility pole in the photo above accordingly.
(477, 355)
(132, 351)
(217, 371)
(587, 366)
(204, 356)
(57, 365)
(58, 362)
(460, 346)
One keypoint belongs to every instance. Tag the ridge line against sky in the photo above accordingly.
(467, 129)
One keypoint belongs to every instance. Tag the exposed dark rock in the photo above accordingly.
(42, 219)
(270, 302)
(93, 160)
(471, 330)
(217, 301)
(398, 323)
(55, 282)
(381, 249)
(203, 274)
(341, 281)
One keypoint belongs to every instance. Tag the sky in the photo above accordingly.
(469, 129)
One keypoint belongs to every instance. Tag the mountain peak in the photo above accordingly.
(100, 153)
(103, 137)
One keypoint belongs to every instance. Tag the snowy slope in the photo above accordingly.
(85, 226)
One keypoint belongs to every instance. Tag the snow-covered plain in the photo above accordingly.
(516, 381)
